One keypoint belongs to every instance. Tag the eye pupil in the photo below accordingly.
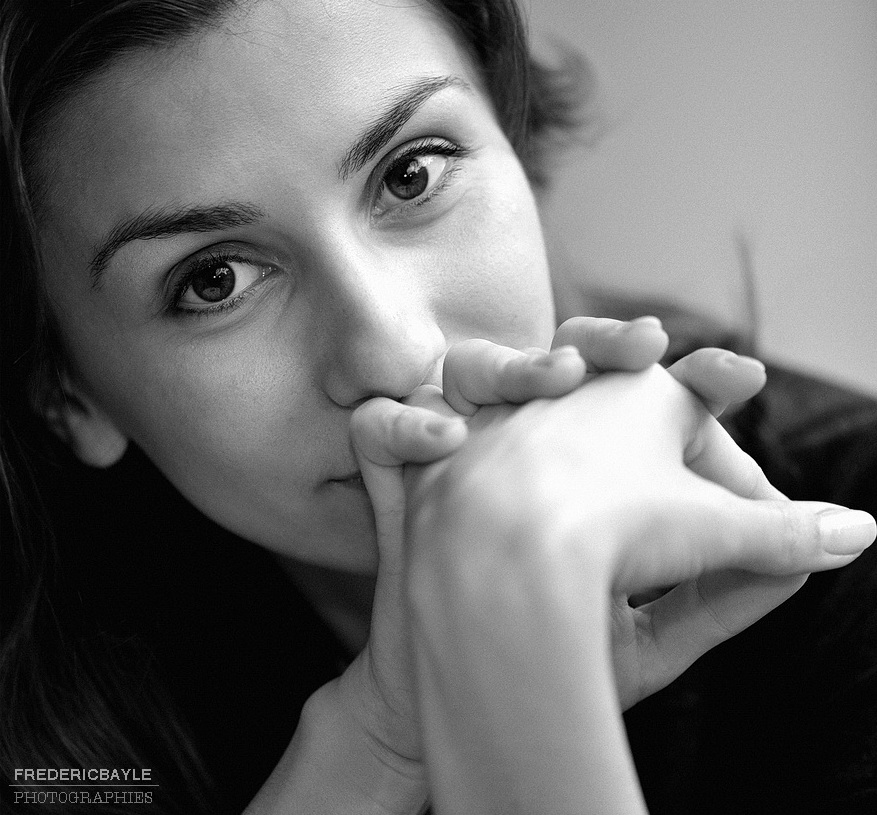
(408, 179)
(214, 284)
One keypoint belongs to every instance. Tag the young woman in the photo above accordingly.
(245, 237)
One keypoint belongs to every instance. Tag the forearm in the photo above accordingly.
(518, 706)
(333, 766)
(540, 739)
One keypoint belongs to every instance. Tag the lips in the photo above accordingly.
(353, 481)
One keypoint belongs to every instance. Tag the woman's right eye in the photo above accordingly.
(218, 282)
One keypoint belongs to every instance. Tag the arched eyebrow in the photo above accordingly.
(164, 223)
(397, 113)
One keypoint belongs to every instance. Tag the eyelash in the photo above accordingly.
(418, 149)
(216, 257)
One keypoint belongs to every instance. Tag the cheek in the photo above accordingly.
(218, 412)
(251, 447)
(216, 419)
(222, 409)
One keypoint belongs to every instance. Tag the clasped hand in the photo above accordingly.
(506, 562)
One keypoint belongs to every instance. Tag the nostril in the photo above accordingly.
(435, 374)
(391, 365)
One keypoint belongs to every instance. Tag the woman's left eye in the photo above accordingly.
(415, 174)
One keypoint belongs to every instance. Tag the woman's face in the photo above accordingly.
(250, 233)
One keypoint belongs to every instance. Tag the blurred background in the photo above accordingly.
(727, 124)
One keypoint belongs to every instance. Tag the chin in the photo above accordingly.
(341, 537)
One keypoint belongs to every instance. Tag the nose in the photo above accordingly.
(381, 335)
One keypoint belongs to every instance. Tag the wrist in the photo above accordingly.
(333, 767)
(383, 780)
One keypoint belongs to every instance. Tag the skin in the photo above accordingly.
(354, 293)
(349, 294)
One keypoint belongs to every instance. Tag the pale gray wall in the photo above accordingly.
(748, 116)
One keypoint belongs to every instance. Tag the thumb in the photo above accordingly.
(720, 530)
(385, 435)
(784, 537)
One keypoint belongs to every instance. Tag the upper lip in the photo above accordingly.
(348, 477)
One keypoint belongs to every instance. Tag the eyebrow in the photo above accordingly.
(164, 223)
(397, 113)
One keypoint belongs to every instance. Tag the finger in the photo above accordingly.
(431, 397)
(388, 433)
(697, 615)
(710, 529)
(613, 345)
(479, 372)
(719, 377)
(715, 456)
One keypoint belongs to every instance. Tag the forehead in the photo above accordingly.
(289, 81)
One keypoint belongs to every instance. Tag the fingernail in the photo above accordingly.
(443, 426)
(437, 427)
(543, 362)
(846, 531)
(647, 320)
(730, 358)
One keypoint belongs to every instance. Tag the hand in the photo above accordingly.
(615, 463)
(478, 372)
(376, 690)
(388, 434)
(717, 376)
(524, 547)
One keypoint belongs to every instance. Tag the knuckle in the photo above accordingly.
(754, 479)
(721, 629)
(797, 540)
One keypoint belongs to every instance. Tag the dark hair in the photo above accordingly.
(49, 49)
